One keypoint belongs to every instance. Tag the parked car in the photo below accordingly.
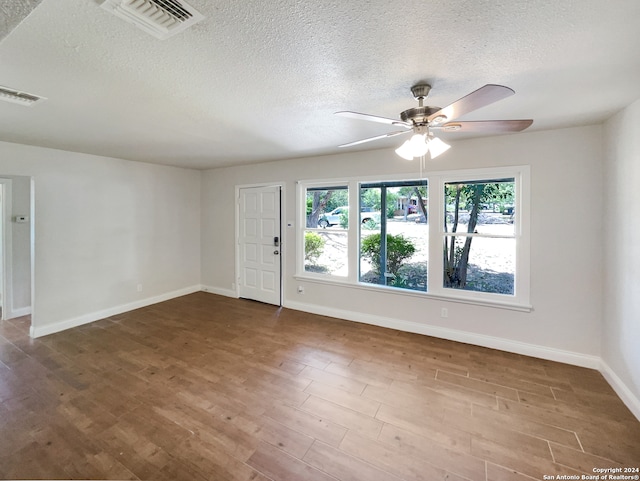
(333, 217)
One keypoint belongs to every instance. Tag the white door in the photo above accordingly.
(259, 244)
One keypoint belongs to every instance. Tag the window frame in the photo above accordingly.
(301, 197)
(521, 226)
(519, 301)
(386, 184)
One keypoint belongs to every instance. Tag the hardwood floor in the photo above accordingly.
(206, 387)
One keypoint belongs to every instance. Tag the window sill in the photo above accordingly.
(422, 295)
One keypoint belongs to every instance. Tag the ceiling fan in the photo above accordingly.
(422, 120)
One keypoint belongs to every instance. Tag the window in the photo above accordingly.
(326, 230)
(479, 236)
(456, 235)
(394, 251)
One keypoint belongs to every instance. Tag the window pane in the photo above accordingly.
(484, 207)
(405, 229)
(325, 247)
(483, 264)
(328, 208)
(325, 252)
(370, 236)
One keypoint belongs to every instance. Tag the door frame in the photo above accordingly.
(236, 279)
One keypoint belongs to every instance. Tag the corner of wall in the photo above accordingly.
(620, 329)
(40, 331)
(621, 389)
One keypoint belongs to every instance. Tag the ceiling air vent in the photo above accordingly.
(17, 97)
(160, 18)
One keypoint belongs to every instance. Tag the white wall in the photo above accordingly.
(566, 243)
(621, 327)
(103, 226)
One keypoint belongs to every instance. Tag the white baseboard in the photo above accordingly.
(220, 291)
(621, 389)
(39, 331)
(501, 344)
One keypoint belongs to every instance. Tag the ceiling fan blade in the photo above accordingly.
(373, 118)
(390, 134)
(479, 98)
(486, 126)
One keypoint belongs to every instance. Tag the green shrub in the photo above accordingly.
(369, 224)
(391, 211)
(313, 246)
(399, 249)
(344, 219)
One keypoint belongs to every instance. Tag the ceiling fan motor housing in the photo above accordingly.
(420, 91)
(418, 115)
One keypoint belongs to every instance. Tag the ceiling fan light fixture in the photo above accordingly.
(419, 145)
(405, 150)
(437, 147)
(416, 146)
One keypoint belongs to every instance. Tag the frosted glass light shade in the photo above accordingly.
(404, 151)
(437, 147)
(419, 144)
(416, 146)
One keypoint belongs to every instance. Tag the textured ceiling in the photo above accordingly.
(258, 81)
(13, 12)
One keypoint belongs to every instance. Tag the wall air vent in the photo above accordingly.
(160, 18)
(17, 97)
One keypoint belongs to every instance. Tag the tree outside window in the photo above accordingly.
(479, 242)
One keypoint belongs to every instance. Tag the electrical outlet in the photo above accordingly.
(444, 312)
(139, 287)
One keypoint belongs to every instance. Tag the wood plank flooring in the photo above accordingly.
(206, 387)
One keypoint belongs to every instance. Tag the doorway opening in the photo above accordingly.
(16, 248)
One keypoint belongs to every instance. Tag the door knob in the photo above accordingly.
(276, 252)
